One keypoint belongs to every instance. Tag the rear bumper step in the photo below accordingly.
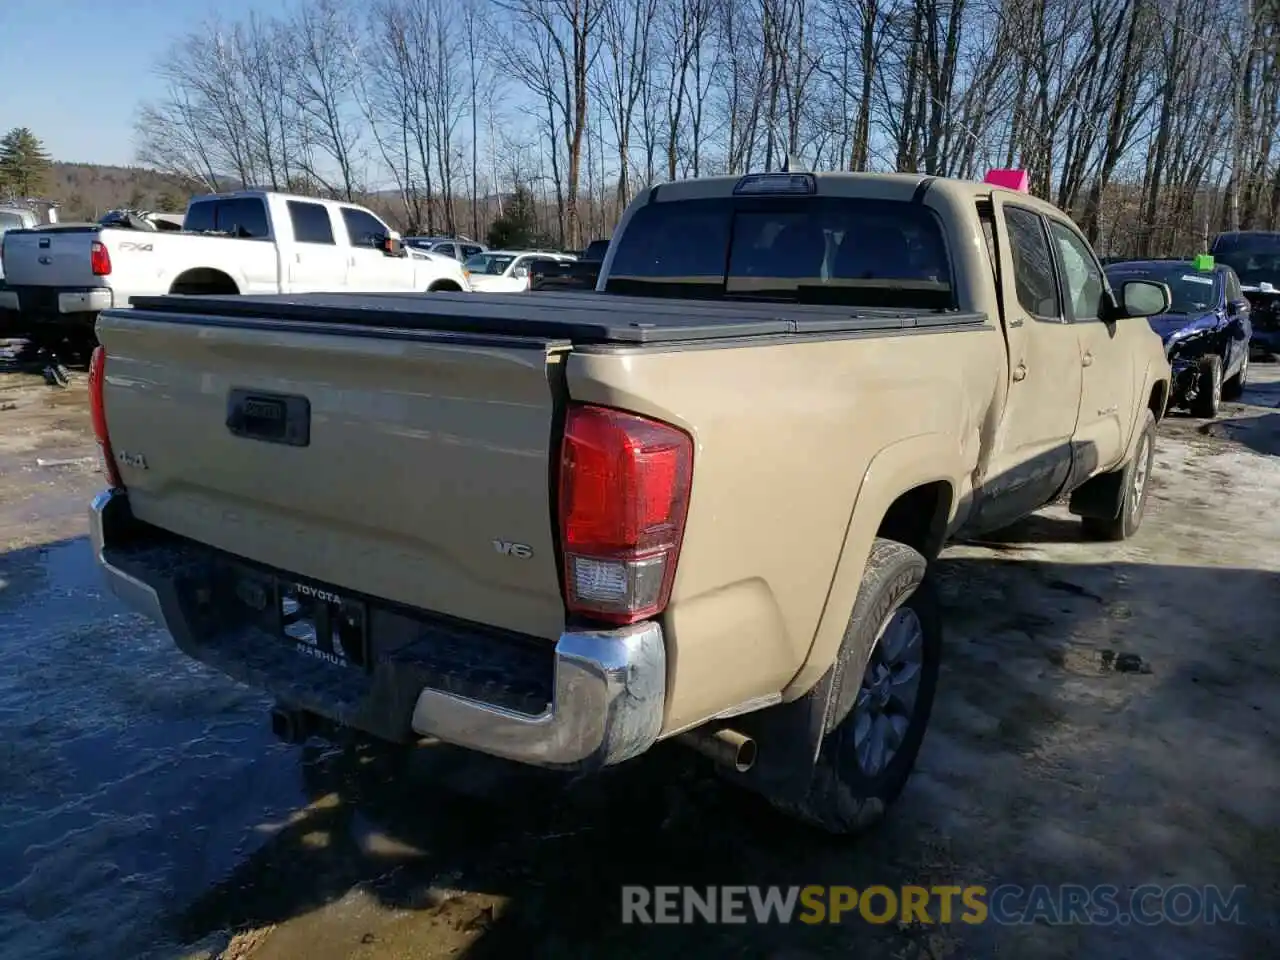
(596, 699)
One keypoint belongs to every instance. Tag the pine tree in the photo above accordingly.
(24, 165)
(517, 228)
(168, 201)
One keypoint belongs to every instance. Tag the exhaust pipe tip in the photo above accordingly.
(291, 725)
(726, 747)
(745, 758)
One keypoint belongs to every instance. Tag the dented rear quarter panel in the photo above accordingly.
(789, 437)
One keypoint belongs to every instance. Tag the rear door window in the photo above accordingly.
(311, 223)
(808, 250)
(1033, 274)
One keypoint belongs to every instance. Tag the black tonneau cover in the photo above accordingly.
(584, 318)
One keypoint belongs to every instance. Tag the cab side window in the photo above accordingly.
(363, 229)
(1033, 274)
(1081, 275)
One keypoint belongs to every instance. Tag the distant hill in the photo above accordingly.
(88, 190)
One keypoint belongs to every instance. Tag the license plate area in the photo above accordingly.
(320, 623)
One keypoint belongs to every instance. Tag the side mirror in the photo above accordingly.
(1236, 307)
(1144, 298)
(392, 246)
(520, 273)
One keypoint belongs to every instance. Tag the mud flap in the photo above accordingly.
(790, 736)
(1101, 497)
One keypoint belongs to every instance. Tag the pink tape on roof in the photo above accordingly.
(1009, 179)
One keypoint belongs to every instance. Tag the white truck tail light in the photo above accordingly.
(98, 414)
(99, 259)
(624, 497)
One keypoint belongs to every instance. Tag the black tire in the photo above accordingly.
(1133, 499)
(842, 798)
(1209, 388)
(1233, 389)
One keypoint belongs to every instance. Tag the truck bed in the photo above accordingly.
(580, 318)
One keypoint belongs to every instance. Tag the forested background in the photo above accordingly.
(1153, 121)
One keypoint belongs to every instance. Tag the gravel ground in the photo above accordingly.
(1107, 714)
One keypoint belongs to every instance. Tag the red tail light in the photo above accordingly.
(98, 414)
(99, 259)
(624, 497)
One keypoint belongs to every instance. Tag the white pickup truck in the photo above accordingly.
(248, 242)
(11, 218)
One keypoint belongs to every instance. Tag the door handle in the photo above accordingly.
(1015, 323)
(1087, 360)
(1020, 372)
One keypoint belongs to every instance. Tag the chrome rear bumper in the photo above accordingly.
(609, 694)
(609, 686)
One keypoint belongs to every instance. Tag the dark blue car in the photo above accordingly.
(1255, 257)
(1206, 332)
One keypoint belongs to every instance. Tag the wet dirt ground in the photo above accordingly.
(1106, 714)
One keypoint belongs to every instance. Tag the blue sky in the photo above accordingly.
(74, 70)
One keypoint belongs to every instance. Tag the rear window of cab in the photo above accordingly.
(805, 250)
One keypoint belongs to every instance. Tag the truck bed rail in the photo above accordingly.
(583, 318)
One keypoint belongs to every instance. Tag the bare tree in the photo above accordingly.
(532, 58)
(388, 103)
(324, 83)
(1154, 122)
(473, 23)
(174, 135)
(626, 31)
(567, 52)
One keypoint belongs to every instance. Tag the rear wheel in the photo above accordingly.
(881, 695)
(1234, 388)
(1208, 388)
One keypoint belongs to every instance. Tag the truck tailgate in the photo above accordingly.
(414, 467)
(50, 257)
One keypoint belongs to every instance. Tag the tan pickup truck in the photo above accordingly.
(699, 504)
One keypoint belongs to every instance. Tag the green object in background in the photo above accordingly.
(1204, 261)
